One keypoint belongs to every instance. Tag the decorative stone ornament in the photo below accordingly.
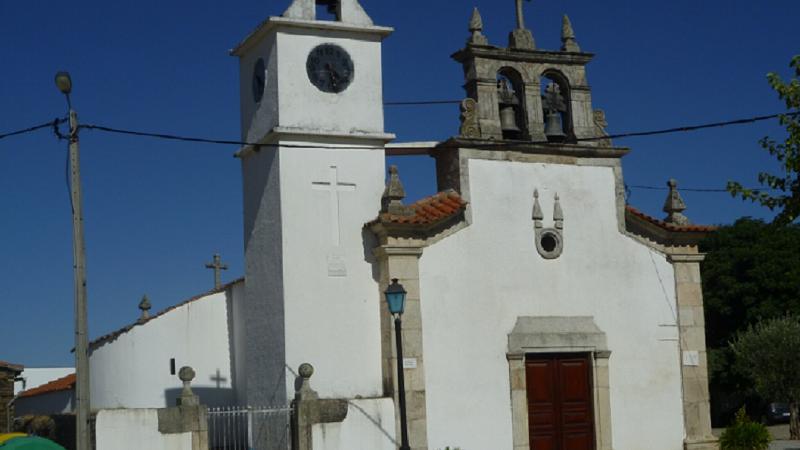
(393, 195)
(476, 29)
(470, 127)
(549, 241)
(568, 42)
(144, 307)
(674, 205)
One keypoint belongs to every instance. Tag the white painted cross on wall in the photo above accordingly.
(334, 186)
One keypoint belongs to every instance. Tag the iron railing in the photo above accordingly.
(249, 428)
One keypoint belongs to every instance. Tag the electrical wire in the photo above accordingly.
(707, 190)
(424, 103)
(51, 124)
(687, 128)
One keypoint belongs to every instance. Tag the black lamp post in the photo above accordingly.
(396, 299)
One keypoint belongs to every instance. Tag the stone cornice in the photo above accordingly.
(532, 56)
(535, 148)
(282, 23)
(686, 258)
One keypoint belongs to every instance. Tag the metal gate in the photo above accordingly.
(249, 428)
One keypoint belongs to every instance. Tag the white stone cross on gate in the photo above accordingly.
(334, 186)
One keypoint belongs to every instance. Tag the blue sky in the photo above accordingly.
(155, 211)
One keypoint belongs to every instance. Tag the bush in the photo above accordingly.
(744, 434)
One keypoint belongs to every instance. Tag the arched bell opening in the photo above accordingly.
(511, 104)
(557, 107)
(330, 10)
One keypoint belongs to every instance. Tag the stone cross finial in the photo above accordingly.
(218, 267)
(674, 205)
(186, 375)
(521, 38)
(393, 195)
(476, 28)
(568, 42)
(144, 306)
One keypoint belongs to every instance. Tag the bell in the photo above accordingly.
(553, 129)
(508, 119)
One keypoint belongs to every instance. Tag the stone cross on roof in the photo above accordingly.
(218, 266)
(144, 306)
(521, 37)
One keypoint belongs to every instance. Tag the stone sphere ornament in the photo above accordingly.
(306, 370)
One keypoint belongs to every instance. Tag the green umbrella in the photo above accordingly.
(30, 443)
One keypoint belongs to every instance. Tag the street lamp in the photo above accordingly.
(396, 299)
(64, 84)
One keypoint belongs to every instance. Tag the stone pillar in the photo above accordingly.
(308, 409)
(694, 366)
(402, 262)
(602, 396)
(188, 416)
(519, 401)
(533, 106)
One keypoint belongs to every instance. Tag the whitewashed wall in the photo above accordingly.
(37, 376)
(133, 371)
(369, 425)
(331, 317)
(476, 283)
(136, 429)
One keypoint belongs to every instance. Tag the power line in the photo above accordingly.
(711, 190)
(52, 124)
(424, 103)
(686, 128)
(175, 137)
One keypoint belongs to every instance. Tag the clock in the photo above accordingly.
(259, 80)
(330, 68)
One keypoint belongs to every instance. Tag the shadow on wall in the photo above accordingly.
(209, 396)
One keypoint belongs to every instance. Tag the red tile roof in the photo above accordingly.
(115, 334)
(62, 384)
(670, 226)
(11, 367)
(428, 211)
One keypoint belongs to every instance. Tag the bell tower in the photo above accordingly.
(312, 105)
(523, 93)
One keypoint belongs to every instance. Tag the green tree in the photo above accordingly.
(751, 272)
(782, 190)
(767, 353)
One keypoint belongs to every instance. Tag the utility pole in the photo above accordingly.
(82, 402)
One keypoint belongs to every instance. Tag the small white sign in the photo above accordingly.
(409, 363)
(691, 358)
(336, 266)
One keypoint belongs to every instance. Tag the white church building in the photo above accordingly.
(542, 311)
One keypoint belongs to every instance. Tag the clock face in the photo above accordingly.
(259, 80)
(330, 68)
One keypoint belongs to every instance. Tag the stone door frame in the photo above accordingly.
(536, 335)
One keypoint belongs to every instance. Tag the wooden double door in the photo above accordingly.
(560, 411)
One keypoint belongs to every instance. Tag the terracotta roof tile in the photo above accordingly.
(670, 226)
(62, 384)
(429, 210)
(12, 367)
(115, 334)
